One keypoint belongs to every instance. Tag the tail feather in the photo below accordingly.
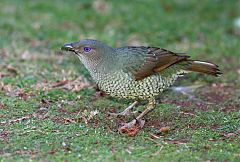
(203, 67)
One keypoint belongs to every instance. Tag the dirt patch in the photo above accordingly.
(221, 95)
(217, 93)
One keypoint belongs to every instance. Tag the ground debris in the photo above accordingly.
(25, 152)
(20, 119)
(177, 141)
(15, 92)
(59, 83)
(87, 116)
(70, 85)
(164, 130)
(77, 84)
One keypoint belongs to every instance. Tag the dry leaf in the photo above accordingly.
(164, 129)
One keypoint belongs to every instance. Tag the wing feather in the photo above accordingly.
(156, 60)
(145, 61)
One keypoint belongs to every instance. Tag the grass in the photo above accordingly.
(43, 122)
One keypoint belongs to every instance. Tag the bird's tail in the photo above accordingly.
(203, 67)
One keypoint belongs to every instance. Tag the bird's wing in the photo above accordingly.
(145, 61)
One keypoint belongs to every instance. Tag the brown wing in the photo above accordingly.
(156, 60)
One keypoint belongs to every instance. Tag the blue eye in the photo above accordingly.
(87, 49)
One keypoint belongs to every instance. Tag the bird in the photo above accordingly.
(135, 72)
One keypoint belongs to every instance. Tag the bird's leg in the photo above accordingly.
(126, 111)
(138, 122)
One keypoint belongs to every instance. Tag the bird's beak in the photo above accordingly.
(68, 47)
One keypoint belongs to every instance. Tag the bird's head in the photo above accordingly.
(92, 53)
(88, 49)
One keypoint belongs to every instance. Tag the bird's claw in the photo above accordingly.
(132, 127)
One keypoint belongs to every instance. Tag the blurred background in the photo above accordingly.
(45, 97)
(206, 30)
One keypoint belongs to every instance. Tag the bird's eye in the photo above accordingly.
(87, 49)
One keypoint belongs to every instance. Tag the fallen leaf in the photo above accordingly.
(164, 129)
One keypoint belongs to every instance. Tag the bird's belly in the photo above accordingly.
(123, 85)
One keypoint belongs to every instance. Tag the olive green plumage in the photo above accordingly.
(134, 72)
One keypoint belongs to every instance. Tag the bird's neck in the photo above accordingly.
(98, 68)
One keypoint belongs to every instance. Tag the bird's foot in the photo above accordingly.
(132, 127)
(126, 112)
